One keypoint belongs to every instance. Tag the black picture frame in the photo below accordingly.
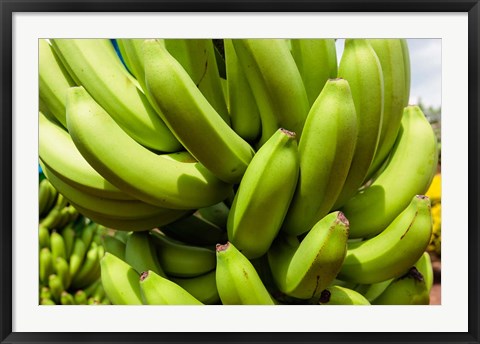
(9, 7)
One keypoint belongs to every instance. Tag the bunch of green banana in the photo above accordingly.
(239, 171)
(69, 257)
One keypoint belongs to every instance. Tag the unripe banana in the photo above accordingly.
(269, 183)
(141, 255)
(68, 234)
(181, 260)
(390, 53)
(360, 66)
(56, 287)
(409, 289)
(96, 66)
(374, 290)
(191, 118)
(118, 209)
(62, 270)
(90, 264)
(243, 108)
(156, 179)
(67, 298)
(196, 230)
(326, 150)
(276, 84)
(44, 197)
(114, 246)
(57, 245)
(424, 266)
(43, 237)
(203, 287)
(58, 152)
(47, 302)
(54, 81)
(316, 60)
(392, 252)
(157, 290)
(304, 269)
(336, 295)
(80, 297)
(237, 281)
(78, 256)
(45, 265)
(120, 281)
(197, 57)
(409, 171)
(128, 224)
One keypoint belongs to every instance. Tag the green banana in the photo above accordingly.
(119, 209)
(181, 260)
(53, 81)
(359, 65)
(80, 297)
(68, 234)
(191, 118)
(114, 246)
(374, 290)
(139, 224)
(120, 281)
(203, 287)
(141, 255)
(96, 66)
(304, 269)
(195, 230)
(392, 60)
(47, 302)
(269, 183)
(161, 180)
(392, 252)
(88, 269)
(46, 267)
(197, 57)
(46, 197)
(88, 232)
(78, 256)
(66, 298)
(409, 171)
(276, 84)
(216, 214)
(336, 295)
(43, 237)
(58, 152)
(237, 280)
(157, 290)
(326, 150)
(244, 113)
(62, 270)
(57, 245)
(424, 266)
(56, 287)
(409, 289)
(316, 60)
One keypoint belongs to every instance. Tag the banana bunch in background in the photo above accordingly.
(69, 254)
(241, 171)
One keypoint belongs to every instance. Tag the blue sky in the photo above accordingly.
(426, 70)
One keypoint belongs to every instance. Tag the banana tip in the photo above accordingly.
(289, 133)
(220, 247)
(143, 275)
(343, 219)
(325, 296)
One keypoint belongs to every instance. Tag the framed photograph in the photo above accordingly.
(443, 40)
